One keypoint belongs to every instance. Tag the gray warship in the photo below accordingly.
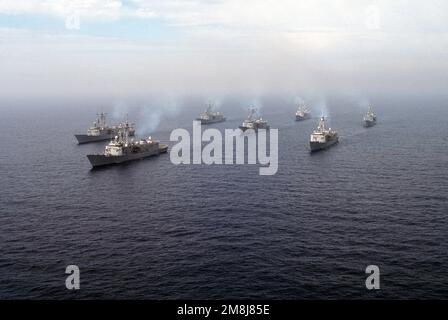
(302, 113)
(100, 131)
(208, 116)
(369, 118)
(322, 138)
(254, 121)
(122, 149)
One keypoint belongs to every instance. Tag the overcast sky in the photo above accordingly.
(125, 48)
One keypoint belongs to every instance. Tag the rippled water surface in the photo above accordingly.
(150, 229)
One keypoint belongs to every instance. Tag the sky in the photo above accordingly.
(222, 47)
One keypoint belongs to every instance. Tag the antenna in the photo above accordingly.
(251, 112)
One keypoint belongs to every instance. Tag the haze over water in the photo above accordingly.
(150, 229)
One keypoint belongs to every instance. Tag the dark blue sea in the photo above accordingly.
(153, 230)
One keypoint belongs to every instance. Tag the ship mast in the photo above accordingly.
(123, 133)
(209, 107)
(101, 119)
(126, 132)
(251, 113)
(126, 129)
(321, 126)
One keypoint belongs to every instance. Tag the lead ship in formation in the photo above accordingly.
(369, 118)
(122, 149)
(208, 116)
(254, 121)
(100, 131)
(303, 113)
(322, 138)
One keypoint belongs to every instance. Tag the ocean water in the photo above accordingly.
(152, 230)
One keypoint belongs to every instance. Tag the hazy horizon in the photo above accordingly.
(100, 48)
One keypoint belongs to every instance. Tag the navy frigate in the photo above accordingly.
(100, 131)
(322, 138)
(254, 121)
(122, 149)
(369, 118)
(209, 116)
(302, 113)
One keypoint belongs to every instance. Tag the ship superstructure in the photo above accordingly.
(254, 121)
(369, 118)
(123, 148)
(302, 113)
(209, 116)
(322, 138)
(100, 131)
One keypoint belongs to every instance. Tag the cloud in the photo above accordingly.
(295, 16)
(223, 47)
(145, 13)
(102, 10)
(255, 16)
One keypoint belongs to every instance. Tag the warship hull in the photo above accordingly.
(300, 118)
(100, 160)
(210, 121)
(84, 138)
(368, 124)
(255, 129)
(318, 146)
